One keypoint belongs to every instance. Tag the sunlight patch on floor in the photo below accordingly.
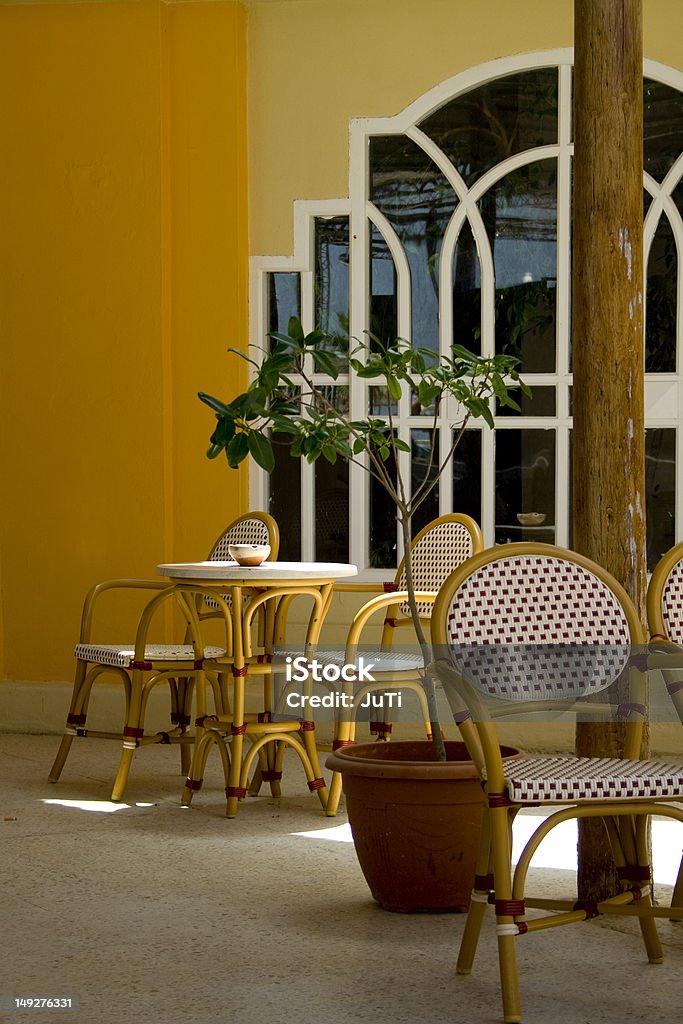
(100, 806)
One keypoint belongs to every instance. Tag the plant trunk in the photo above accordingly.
(607, 303)
(428, 681)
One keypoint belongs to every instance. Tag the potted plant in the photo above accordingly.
(285, 404)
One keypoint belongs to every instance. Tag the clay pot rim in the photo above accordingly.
(361, 760)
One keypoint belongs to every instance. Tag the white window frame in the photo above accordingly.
(663, 391)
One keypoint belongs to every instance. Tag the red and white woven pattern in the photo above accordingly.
(511, 606)
(565, 779)
(672, 604)
(248, 531)
(123, 655)
(442, 549)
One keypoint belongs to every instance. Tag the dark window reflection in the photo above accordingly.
(331, 511)
(525, 485)
(660, 492)
(417, 200)
(467, 292)
(540, 403)
(662, 300)
(480, 128)
(383, 290)
(467, 475)
(284, 501)
(284, 300)
(379, 402)
(663, 127)
(332, 277)
(677, 196)
(424, 467)
(383, 529)
(520, 214)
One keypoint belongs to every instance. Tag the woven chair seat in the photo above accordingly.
(383, 661)
(565, 779)
(123, 655)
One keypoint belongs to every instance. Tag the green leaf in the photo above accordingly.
(296, 331)
(261, 451)
(400, 445)
(213, 450)
(242, 355)
(394, 387)
(213, 403)
(225, 429)
(328, 363)
(237, 450)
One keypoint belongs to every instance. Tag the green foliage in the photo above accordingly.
(284, 399)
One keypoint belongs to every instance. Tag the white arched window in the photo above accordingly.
(458, 229)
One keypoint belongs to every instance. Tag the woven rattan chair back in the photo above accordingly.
(536, 626)
(441, 546)
(252, 528)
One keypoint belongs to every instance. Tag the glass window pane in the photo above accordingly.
(284, 300)
(660, 492)
(417, 200)
(466, 475)
(520, 214)
(332, 277)
(379, 402)
(663, 127)
(467, 292)
(486, 125)
(424, 467)
(331, 511)
(284, 501)
(677, 196)
(661, 305)
(541, 402)
(383, 291)
(383, 528)
(525, 485)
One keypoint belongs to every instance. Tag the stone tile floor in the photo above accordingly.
(147, 912)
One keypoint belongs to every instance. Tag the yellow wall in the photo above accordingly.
(122, 282)
(123, 248)
(315, 64)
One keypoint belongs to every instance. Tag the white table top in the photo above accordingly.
(273, 572)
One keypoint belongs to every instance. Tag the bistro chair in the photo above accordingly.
(140, 665)
(665, 622)
(532, 628)
(438, 548)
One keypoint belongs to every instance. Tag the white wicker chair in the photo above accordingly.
(441, 546)
(140, 665)
(665, 621)
(487, 620)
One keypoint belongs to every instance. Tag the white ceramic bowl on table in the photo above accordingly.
(249, 554)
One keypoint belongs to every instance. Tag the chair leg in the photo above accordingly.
(68, 737)
(677, 898)
(483, 884)
(501, 849)
(132, 733)
(60, 759)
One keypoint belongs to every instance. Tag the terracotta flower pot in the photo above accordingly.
(415, 822)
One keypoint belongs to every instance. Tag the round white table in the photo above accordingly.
(240, 592)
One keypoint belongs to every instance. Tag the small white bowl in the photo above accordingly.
(249, 554)
(531, 518)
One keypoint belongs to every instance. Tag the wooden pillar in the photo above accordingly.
(608, 356)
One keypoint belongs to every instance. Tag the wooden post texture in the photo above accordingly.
(608, 356)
